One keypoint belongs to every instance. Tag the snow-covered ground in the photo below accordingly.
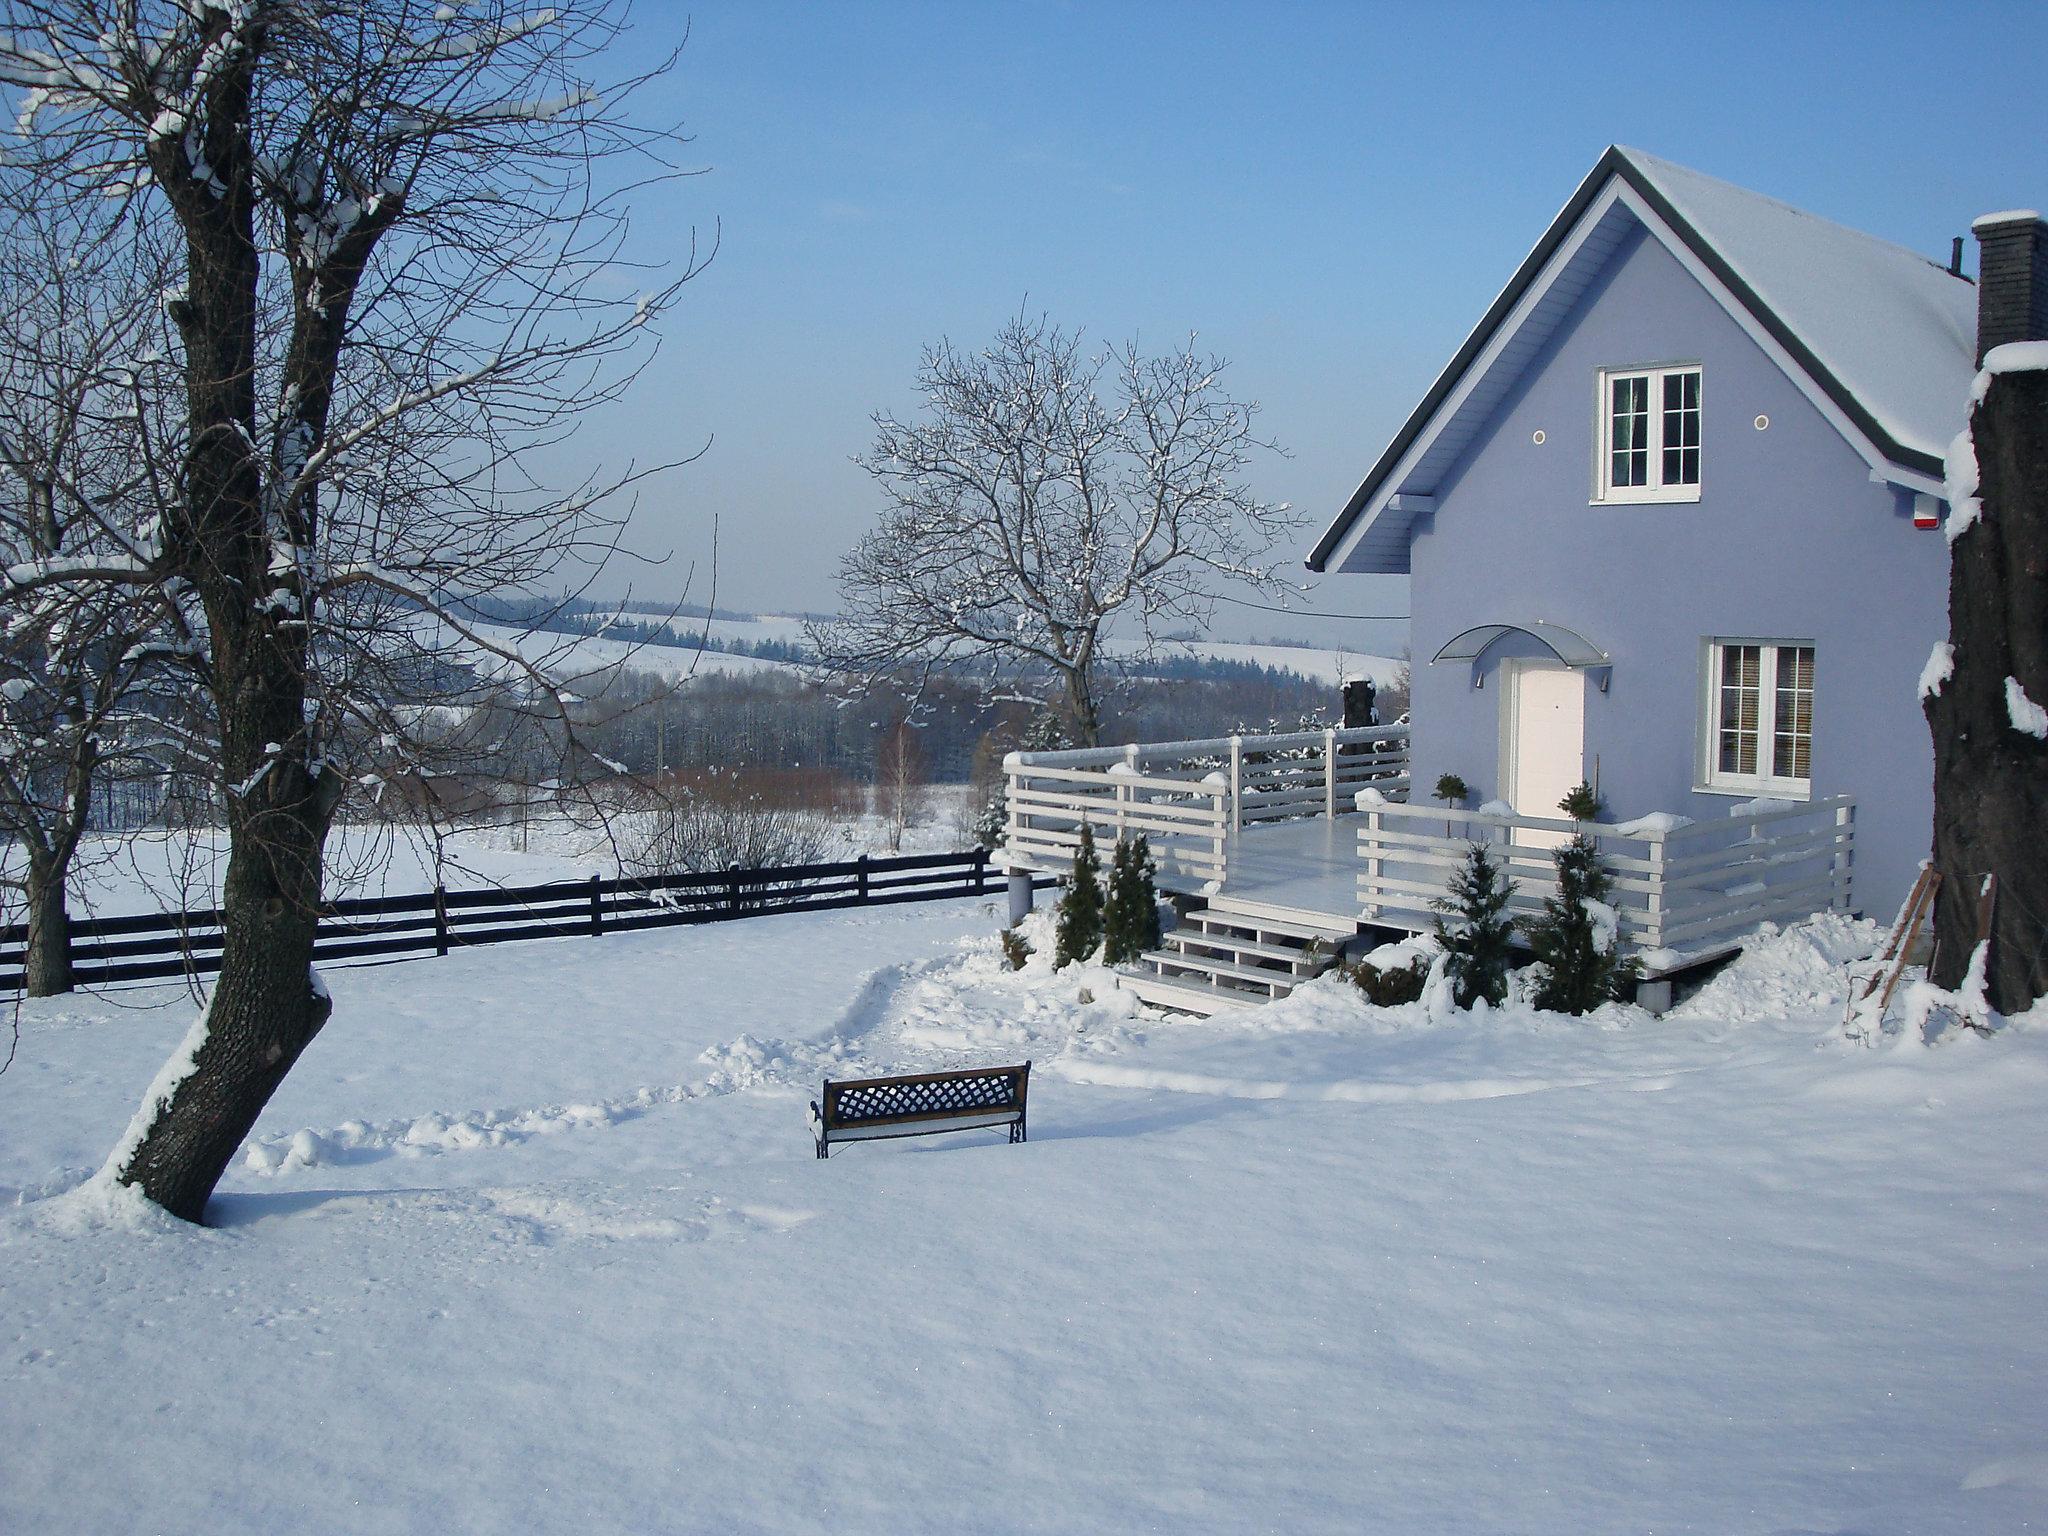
(533, 1240)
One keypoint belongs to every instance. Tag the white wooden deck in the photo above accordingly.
(1263, 824)
(1308, 866)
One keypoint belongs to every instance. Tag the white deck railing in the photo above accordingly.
(1683, 890)
(1189, 797)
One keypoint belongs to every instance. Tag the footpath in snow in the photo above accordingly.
(534, 1239)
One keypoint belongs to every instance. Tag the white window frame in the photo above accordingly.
(1604, 491)
(1712, 779)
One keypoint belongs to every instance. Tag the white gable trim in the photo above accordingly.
(1882, 469)
(1503, 335)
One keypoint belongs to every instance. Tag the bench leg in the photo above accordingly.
(1017, 1131)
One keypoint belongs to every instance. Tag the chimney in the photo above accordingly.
(2012, 279)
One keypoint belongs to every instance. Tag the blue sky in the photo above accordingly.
(1329, 194)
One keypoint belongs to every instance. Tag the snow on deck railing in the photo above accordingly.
(1188, 798)
(1684, 890)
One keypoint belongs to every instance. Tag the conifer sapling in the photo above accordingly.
(1131, 915)
(1477, 944)
(1079, 931)
(1577, 938)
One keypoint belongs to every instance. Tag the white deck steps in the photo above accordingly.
(1225, 957)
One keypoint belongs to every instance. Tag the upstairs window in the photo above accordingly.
(1649, 435)
(1759, 735)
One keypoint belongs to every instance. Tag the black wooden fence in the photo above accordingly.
(161, 944)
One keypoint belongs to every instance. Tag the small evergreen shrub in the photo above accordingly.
(1577, 939)
(1015, 949)
(1078, 933)
(1477, 943)
(1130, 916)
(1581, 802)
(992, 821)
(1453, 790)
(1392, 986)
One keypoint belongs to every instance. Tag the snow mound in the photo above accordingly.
(1785, 972)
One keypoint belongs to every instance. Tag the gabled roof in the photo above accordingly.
(1880, 337)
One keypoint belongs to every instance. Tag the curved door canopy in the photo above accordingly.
(1571, 648)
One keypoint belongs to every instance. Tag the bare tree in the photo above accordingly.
(1047, 501)
(402, 233)
(1987, 696)
(81, 422)
(902, 787)
(720, 820)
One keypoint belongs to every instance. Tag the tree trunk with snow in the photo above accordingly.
(1990, 735)
(46, 964)
(263, 1013)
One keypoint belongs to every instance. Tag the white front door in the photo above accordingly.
(1543, 739)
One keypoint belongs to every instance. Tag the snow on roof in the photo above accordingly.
(1896, 329)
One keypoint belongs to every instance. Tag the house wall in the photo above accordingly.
(1789, 540)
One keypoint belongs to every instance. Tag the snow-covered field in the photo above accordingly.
(573, 658)
(1319, 665)
(156, 871)
(533, 1240)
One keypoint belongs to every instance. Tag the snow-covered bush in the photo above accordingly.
(1016, 949)
(1392, 985)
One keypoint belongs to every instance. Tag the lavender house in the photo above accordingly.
(1671, 519)
(1670, 516)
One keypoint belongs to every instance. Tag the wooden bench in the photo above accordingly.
(869, 1109)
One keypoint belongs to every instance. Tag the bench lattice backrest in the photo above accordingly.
(893, 1098)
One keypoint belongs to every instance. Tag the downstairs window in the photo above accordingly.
(1759, 727)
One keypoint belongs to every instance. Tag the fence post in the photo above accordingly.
(1844, 871)
(1330, 773)
(1124, 792)
(1219, 831)
(440, 918)
(980, 872)
(1656, 901)
(860, 875)
(596, 907)
(1236, 782)
(732, 889)
(1373, 908)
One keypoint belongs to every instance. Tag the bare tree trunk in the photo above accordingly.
(1082, 710)
(46, 968)
(263, 1013)
(1990, 777)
